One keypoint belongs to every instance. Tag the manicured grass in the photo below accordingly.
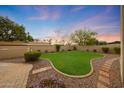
(72, 62)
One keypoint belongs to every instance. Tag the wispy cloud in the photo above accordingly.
(77, 8)
(44, 13)
(105, 25)
(99, 21)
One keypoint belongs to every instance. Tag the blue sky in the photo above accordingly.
(47, 21)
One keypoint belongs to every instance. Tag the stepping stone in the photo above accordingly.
(41, 70)
(104, 79)
(100, 85)
(104, 73)
(115, 59)
(105, 69)
(107, 65)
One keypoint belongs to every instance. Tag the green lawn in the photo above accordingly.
(72, 62)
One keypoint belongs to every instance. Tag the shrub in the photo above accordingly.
(63, 50)
(39, 50)
(46, 51)
(74, 48)
(69, 49)
(87, 50)
(58, 48)
(32, 56)
(94, 50)
(105, 49)
(117, 50)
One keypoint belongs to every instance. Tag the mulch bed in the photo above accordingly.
(69, 82)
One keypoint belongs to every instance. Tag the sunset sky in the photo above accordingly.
(59, 21)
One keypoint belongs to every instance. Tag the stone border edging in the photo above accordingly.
(74, 76)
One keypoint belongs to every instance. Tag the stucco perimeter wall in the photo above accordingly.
(7, 52)
(12, 51)
(98, 48)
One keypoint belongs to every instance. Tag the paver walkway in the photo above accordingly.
(41, 69)
(14, 75)
(103, 79)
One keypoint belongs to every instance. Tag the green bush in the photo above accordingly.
(117, 50)
(74, 48)
(69, 49)
(105, 49)
(32, 56)
(46, 51)
(63, 50)
(58, 47)
(94, 50)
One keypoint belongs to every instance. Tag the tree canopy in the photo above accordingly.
(84, 37)
(11, 31)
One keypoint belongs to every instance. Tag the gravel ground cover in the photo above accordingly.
(69, 82)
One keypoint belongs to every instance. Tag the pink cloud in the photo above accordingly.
(108, 26)
(45, 14)
(55, 16)
(109, 37)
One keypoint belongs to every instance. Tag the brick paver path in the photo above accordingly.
(14, 75)
(41, 69)
(103, 79)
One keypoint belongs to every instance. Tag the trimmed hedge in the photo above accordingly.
(105, 49)
(32, 56)
(117, 50)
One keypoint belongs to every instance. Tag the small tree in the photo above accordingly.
(29, 37)
(11, 31)
(84, 37)
(50, 41)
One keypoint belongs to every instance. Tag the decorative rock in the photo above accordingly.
(104, 73)
(100, 85)
(104, 79)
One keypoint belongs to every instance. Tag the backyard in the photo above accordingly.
(60, 47)
(83, 67)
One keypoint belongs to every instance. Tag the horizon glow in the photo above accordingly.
(59, 21)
